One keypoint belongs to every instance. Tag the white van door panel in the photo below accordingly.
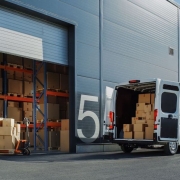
(168, 111)
(109, 106)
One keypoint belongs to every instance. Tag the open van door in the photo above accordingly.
(168, 111)
(109, 113)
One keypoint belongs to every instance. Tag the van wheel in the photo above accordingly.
(171, 148)
(126, 148)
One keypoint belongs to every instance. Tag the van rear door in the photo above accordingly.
(168, 111)
(109, 113)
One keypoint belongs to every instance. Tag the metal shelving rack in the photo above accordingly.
(35, 100)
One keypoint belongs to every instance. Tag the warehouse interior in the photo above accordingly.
(47, 109)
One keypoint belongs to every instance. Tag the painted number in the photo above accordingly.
(83, 114)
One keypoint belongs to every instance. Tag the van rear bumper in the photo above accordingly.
(134, 141)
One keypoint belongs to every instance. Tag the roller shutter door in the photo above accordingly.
(32, 38)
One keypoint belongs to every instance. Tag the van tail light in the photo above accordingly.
(111, 119)
(155, 116)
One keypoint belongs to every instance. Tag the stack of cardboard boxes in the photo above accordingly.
(28, 111)
(64, 135)
(142, 126)
(9, 133)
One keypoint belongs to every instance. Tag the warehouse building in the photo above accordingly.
(78, 49)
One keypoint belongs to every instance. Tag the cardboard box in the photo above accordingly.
(28, 64)
(7, 142)
(152, 107)
(139, 127)
(147, 108)
(64, 141)
(28, 77)
(14, 59)
(149, 132)
(140, 121)
(15, 86)
(52, 80)
(140, 114)
(138, 135)
(54, 138)
(144, 98)
(152, 98)
(1, 105)
(150, 123)
(64, 124)
(13, 104)
(18, 75)
(50, 99)
(150, 115)
(15, 113)
(133, 120)
(27, 88)
(27, 106)
(8, 122)
(140, 106)
(128, 135)
(127, 127)
(52, 111)
(7, 131)
(10, 74)
(29, 115)
(1, 85)
(64, 82)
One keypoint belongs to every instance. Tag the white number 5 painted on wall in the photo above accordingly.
(83, 114)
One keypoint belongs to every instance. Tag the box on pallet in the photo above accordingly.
(15, 113)
(28, 64)
(28, 77)
(7, 142)
(29, 115)
(7, 131)
(64, 141)
(14, 59)
(138, 135)
(27, 106)
(140, 121)
(139, 127)
(64, 124)
(150, 123)
(13, 104)
(27, 88)
(1, 85)
(52, 111)
(15, 86)
(127, 127)
(144, 98)
(1, 105)
(149, 132)
(18, 75)
(64, 82)
(52, 80)
(10, 74)
(128, 135)
(50, 99)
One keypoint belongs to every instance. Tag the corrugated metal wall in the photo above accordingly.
(136, 40)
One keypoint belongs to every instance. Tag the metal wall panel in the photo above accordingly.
(137, 41)
(33, 38)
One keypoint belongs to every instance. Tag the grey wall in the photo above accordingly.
(136, 37)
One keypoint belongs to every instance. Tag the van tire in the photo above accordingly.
(126, 148)
(171, 148)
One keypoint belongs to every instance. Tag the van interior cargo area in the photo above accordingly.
(127, 97)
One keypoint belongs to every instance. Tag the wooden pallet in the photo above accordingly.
(15, 65)
(28, 96)
(7, 151)
(15, 94)
(54, 148)
(39, 120)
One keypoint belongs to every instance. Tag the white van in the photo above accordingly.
(120, 108)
